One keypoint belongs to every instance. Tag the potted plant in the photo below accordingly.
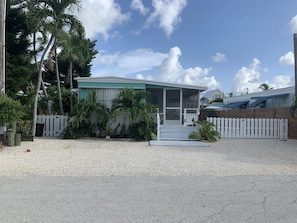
(25, 128)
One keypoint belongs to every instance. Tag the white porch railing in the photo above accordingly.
(251, 128)
(53, 124)
(158, 126)
(190, 115)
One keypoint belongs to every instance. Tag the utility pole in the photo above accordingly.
(295, 56)
(2, 45)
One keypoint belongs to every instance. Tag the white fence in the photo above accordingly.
(251, 128)
(190, 115)
(53, 124)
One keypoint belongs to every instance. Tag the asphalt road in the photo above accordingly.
(149, 199)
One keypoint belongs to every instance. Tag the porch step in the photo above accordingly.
(176, 132)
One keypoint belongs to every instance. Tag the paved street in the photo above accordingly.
(149, 199)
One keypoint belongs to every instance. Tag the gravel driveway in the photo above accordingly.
(93, 157)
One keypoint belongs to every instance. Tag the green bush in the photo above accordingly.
(142, 131)
(206, 132)
(10, 110)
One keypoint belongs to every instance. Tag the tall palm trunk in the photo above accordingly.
(38, 86)
(42, 82)
(58, 82)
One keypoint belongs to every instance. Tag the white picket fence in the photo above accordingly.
(251, 128)
(53, 124)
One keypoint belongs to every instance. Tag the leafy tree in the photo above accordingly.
(18, 57)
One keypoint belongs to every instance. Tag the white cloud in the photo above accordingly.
(247, 78)
(103, 58)
(219, 57)
(166, 14)
(141, 76)
(138, 6)
(134, 61)
(168, 67)
(100, 17)
(141, 59)
(287, 59)
(282, 81)
(172, 71)
(293, 24)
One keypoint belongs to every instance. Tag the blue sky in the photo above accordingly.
(233, 45)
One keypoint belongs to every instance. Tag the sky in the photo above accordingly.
(232, 45)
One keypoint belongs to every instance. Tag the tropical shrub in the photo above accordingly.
(206, 132)
(87, 116)
(134, 102)
(142, 131)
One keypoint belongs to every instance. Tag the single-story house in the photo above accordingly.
(282, 97)
(178, 104)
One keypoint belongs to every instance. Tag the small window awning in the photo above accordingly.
(257, 102)
(236, 104)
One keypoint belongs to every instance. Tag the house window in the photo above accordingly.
(105, 96)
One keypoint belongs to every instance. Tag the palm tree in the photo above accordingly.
(75, 49)
(135, 103)
(265, 87)
(36, 26)
(54, 18)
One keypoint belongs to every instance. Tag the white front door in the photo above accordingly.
(173, 102)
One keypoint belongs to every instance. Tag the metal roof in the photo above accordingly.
(113, 79)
